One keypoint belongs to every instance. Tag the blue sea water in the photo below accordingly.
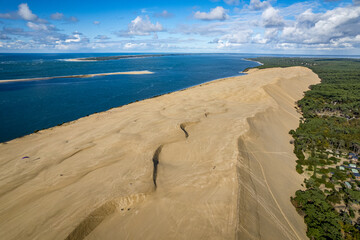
(29, 106)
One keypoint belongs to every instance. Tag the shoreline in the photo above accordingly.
(252, 61)
(138, 100)
(209, 141)
(77, 76)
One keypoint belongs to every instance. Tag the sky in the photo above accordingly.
(236, 26)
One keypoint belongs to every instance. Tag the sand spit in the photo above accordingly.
(77, 76)
(260, 63)
(210, 162)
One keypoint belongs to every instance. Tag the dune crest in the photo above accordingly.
(210, 162)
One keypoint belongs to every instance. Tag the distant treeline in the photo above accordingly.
(330, 126)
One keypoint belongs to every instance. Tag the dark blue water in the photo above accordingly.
(29, 106)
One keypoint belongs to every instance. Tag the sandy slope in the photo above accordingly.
(226, 168)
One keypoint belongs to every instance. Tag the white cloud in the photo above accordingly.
(142, 26)
(259, 39)
(257, 5)
(232, 2)
(101, 37)
(75, 38)
(61, 17)
(298, 8)
(72, 19)
(307, 19)
(227, 44)
(37, 27)
(300, 26)
(347, 41)
(135, 45)
(234, 39)
(57, 16)
(218, 13)
(43, 36)
(164, 14)
(74, 42)
(286, 46)
(271, 18)
(41, 27)
(8, 15)
(4, 37)
(271, 34)
(211, 29)
(324, 28)
(25, 12)
(237, 37)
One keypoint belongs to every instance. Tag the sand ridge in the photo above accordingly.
(77, 76)
(224, 167)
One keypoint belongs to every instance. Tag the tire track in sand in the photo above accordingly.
(270, 191)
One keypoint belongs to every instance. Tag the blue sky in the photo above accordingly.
(243, 26)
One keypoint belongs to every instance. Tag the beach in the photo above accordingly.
(213, 161)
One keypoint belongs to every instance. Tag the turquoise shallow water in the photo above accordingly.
(29, 106)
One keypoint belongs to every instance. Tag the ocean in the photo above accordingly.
(34, 105)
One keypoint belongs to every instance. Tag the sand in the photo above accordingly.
(77, 76)
(225, 167)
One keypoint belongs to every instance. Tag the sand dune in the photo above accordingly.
(210, 162)
(77, 76)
